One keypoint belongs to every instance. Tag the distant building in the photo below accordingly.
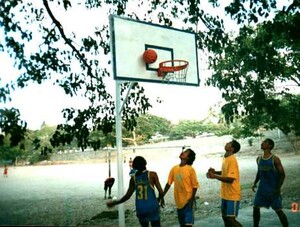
(158, 138)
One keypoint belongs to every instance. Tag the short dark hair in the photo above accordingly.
(270, 142)
(192, 157)
(139, 163)
(236, 146)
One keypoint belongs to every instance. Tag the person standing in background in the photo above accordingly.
(5, 171)
(130, 163)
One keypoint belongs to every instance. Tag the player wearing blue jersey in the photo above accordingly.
(270, 176)
(142, 183)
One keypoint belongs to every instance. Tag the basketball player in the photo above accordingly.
(185, 187)
(142, 183)
(230, 184)
(270, 175)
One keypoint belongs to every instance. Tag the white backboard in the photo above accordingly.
(129, 40)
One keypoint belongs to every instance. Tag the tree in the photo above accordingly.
(288, 118)
(78, 62)
(71, 60)
(11, 126)
(254, 68)
(187, 128)
(148, 125)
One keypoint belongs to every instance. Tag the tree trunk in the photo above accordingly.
(294, 142)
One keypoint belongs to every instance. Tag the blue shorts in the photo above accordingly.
(149, 216)
(274, 201)
(186, 214)
(230, 208)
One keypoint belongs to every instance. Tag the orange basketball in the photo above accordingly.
(149, 56)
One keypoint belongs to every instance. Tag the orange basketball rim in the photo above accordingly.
(171, 66)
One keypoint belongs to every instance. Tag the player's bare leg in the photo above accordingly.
(256, 216)
(282, 218)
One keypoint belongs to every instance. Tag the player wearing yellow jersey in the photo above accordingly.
(230, 184)
(185, 187)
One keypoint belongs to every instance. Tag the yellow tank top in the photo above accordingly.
(230, 168)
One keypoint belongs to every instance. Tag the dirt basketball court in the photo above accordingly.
(72, 194)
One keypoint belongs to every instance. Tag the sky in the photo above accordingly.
(44, 103)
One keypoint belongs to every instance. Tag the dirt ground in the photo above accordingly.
(72, 194)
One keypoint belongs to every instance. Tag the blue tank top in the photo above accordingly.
(147, 207)
(268, 176)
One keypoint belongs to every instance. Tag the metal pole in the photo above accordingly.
(119, 153)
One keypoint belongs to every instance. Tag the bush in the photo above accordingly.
(35, 158)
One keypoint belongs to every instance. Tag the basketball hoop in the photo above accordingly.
(173, 70)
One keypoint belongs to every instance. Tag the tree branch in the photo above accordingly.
(67, 40)
(296, 80)
(294, 5)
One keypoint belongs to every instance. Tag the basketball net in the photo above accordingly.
(173, 71)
